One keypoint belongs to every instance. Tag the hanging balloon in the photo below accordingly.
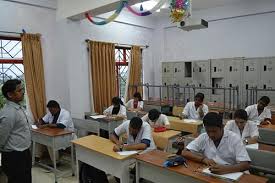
(111, 18)
(179, 10)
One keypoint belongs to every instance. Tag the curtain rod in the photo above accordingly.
(121, 44)
(8, 32)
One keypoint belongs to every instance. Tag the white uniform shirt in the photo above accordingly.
(231, 149)
(161, 121)
(253, 114)
(63, 118)
(191, 112)
(250, 129)
(130, 104)
(122, 111)
(144, 133)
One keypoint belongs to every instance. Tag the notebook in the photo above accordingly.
(98, 116)
(229, 176)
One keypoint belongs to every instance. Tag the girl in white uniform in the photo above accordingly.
(116, 109)
(246, 130)
(135, 104)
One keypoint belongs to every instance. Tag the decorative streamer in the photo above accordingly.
(111, 18)
(146, 13)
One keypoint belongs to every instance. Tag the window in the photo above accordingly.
(11, 61)
(122, 58)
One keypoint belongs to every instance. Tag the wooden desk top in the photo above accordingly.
(272, 127)
(194, 169)
(266, 147)
(173, 119)
(107, 119)
(166, 134)
(52, 132)
(99, 144)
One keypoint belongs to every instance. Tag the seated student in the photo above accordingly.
(259, 113)
(220, 149)
(196, 109)
(156, 119)
(246, 130)
(139, 138)
(57, 117)
(116, 109)
(135, 104)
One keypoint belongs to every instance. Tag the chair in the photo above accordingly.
(262, 161)
(266, 136)
(86, 125)
(177, 111)
(131, 114)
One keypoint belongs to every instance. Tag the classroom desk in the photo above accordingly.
(164, 140)
(55, 138)
(149, 166)
(108, 123)
(177, 124)
(270, 126)
(98, 152)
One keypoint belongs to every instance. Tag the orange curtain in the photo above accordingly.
(34, 73)
(135, 72)
(103, 76)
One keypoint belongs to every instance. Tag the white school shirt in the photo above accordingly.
(63, 118)
(130, 104)
(253, 114)
(191, 112)
(250, 129)
(231, 149)
(144, 133)
(161, 121)
(122, 110)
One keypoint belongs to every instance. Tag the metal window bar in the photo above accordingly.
(253, 92)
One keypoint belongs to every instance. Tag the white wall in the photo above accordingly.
(251, 36)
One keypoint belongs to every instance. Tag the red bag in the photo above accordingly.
(160, 129)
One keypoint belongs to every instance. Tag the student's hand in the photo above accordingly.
(209, 162)
(219, 169)
(52, 125)
(116, 148)
(43, 126)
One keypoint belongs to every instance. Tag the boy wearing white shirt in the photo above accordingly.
(259, 113)
(135, 104)
(246, 130)
(220, 149)
(156, 119)
(197, 109)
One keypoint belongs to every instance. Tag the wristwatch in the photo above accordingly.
(246, 141)
(121, 147)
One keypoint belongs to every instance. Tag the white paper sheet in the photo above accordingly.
(229, 176)
(190, 120)
(253, 146)
(34, 127)
(127, 153)
(98, 116)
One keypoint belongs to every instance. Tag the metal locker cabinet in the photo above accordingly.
(251, 72)
(166, 69)
(233, 78)
(217, 68)
(178, 72)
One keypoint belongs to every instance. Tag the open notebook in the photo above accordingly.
(98, 116)
(230, 176)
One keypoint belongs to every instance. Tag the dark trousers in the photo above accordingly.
(17, 166)
(90, 174)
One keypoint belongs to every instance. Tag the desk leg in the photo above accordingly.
(33, 152)
(137, 172)
(125, 176)
(54, 163)
(77, 170)
(72, 159)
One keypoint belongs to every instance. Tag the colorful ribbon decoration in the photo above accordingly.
(179, 10)
(149, 12)
(111, 18)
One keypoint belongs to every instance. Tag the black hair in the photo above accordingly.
(117, 101)
(241, 114)
(200, 96)
(53, 104)
(10, 86)
(138, 95)
(212, 119)
(136, 123)
(153, 114)
(265, 99)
